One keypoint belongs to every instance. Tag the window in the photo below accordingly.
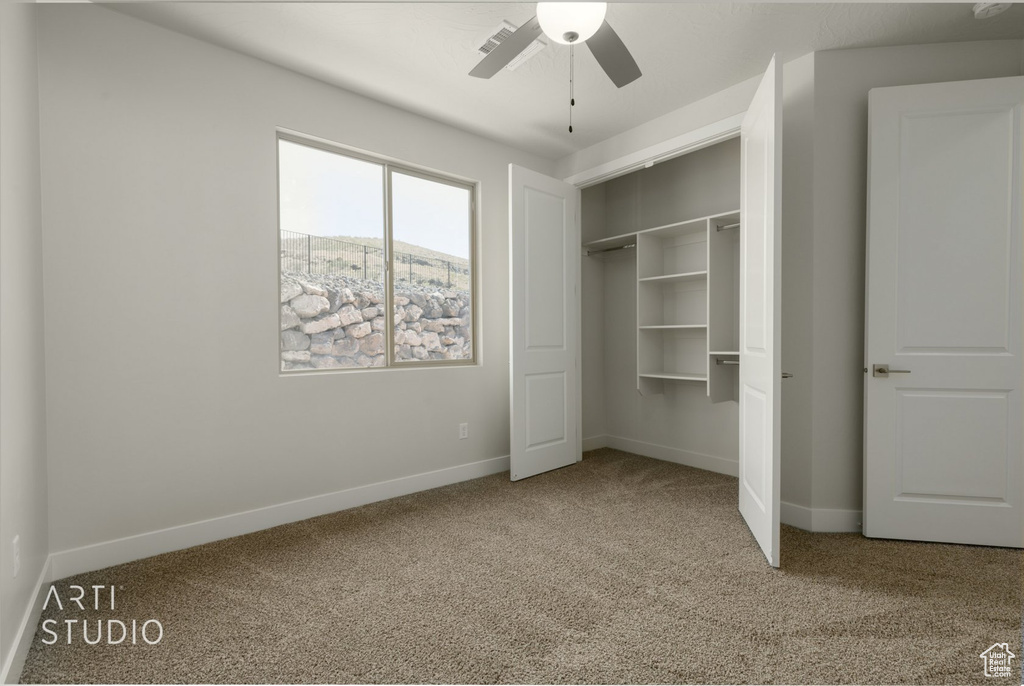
(361, 238)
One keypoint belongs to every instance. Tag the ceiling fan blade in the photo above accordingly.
(612, 55)
(508, 50)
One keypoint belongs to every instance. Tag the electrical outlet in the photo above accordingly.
(16, 555)
(463, 431)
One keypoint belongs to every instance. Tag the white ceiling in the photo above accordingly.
(417, 56)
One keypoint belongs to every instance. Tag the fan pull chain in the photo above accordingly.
(572, 97)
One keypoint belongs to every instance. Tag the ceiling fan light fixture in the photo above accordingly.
(570, 22)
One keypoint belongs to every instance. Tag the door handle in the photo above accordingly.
(787, 375)
(882, 371)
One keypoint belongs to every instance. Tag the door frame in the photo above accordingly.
(683, 144)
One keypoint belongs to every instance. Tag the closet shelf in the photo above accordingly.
(612, 242)
(725, 352)
(676, 278)
(673, 326)
(675, 377)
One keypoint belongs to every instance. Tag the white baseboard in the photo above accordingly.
(821, 520)
(595, 442)
(100, 555)
(685, 457)
(796, 515)
(836, 521)
(11, 671)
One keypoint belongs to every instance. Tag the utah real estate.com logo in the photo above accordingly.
(997, 660)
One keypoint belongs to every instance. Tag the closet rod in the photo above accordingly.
(731, 226)
(721, 361)
(621, 247)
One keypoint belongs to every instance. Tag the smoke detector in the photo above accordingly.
(501, 34)
(984, 10)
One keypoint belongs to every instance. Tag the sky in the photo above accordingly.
(326, 194)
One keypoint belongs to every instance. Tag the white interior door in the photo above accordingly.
(942, 429)
(545, 253)
(760, 352)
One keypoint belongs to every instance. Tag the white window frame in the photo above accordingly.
(389, 166)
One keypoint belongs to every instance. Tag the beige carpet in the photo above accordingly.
(620, 569)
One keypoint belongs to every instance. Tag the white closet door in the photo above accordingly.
(545, 239)
(760, 352)
(943, 454)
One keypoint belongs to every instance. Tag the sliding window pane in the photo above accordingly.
(332, 259)
(432, 279)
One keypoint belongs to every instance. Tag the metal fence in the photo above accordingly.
(302, 252)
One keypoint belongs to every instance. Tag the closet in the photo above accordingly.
(661, 260)
(662, 338)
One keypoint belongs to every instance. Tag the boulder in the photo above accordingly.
(420, 353)
(411, 338)
(400, 300)
(451, 308)
(312, 289)
(295, 356)
(321, 323)
(289, 290)
(377, 324)
(348, 314)
(417, 299)
(294, 340)
(334, 298)
(433, 325)
(372, 344)
(321, 343)
(358, 330)
(307, 306)
(289, 320)
(324, 362)
(369, 313)
(413, 313)
(431, 341)
(345, 347)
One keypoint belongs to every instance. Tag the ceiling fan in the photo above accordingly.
(567, 23)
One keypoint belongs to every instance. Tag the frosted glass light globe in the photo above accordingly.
(570, 22)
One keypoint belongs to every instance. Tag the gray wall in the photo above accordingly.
(166, 404)
(23, 494)
(842, 79)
